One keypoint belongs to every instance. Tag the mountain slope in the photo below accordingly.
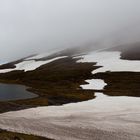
(115, 72)
(57, 77)
(56, 83)
(129, 51)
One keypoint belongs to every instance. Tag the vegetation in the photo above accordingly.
(56, 83)
(12, 65)
(121, 83)
(4, 135)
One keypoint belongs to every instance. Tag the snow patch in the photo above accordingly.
(96, 84)
(29, 65)
(110, 61)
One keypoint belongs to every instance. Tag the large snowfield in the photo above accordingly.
(103, 118)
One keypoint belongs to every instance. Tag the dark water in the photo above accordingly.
(14, 92)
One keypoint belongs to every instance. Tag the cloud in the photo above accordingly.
(30, 26)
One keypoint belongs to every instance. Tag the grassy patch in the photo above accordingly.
(4, 135)
(121, 83)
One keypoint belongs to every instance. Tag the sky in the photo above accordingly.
(33, 26)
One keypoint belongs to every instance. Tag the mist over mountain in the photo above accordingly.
(34, 26)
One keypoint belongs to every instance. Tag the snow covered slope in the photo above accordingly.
(104, 118)
(110, 61)
(28, 65)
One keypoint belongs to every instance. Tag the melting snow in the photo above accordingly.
(111, 118)
(96, 84)
(110, 61)
(30, 64)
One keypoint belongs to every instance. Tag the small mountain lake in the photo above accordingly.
(10, 92)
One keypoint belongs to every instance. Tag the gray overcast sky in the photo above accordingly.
(28, 26)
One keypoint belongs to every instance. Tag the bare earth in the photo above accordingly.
(104, 118)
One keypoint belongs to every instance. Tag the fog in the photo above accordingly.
(32, 26)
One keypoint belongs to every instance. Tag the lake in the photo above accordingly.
(14, 92)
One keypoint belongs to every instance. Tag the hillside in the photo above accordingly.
(129, 51)
(72, 76)
(57, 79)
(56, 83)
